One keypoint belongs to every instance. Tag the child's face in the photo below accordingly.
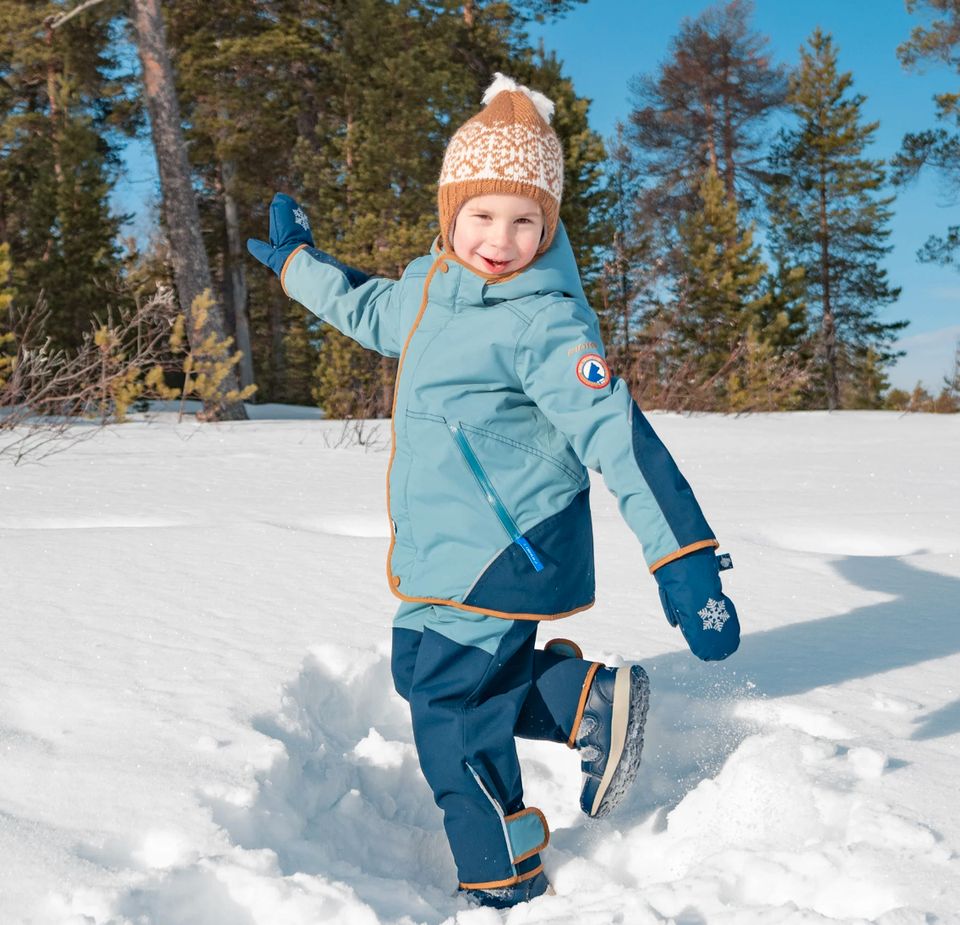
(498, 233)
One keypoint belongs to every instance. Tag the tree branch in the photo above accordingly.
(55, 22)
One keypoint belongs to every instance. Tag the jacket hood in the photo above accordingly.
(553, 271)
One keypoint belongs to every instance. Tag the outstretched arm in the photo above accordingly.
(355, 304)
(561, 365)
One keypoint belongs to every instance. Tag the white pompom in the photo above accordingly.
(501, 82)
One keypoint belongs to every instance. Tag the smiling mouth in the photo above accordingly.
(494, 265)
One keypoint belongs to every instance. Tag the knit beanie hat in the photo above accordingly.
(508, 147)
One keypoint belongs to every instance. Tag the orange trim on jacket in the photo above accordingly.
(680, 553)
(496, 884)
(394, 580)
(283, 271)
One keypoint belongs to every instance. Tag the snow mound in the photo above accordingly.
(340, 827)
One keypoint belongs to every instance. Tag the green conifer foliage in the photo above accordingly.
(719, 295)
(370, 161)
(407, 74)
(348, 106)
(937, 148)
(829, 214)
(64, 96)
(247, 78)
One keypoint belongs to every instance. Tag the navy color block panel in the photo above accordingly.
(445, 677)
(406, 644)
(564, 544)
(550, 707)
(670, 489)
(464, 704)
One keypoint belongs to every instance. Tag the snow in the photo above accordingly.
(198, 726)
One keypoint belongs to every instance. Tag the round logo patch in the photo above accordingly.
(592, 370)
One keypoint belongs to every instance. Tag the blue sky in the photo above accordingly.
(606, 42)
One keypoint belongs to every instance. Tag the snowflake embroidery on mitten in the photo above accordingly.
(714, 615)
(300, 217)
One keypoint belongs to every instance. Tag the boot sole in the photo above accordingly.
(631, 698)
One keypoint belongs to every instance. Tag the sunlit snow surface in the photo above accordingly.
(198, 727)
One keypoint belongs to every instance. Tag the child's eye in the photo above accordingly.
(524, 221)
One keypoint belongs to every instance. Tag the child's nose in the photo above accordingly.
(502, 234)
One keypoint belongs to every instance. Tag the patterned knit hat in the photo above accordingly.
(508, 147)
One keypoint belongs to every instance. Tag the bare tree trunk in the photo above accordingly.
(52, 95)
(729, 166)
(182, 218)
(711, 139)
(828, 332)
(278, 327)
(236, 274)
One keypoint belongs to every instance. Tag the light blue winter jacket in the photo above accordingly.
(503, 400)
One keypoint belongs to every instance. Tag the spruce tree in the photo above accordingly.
(65, 104)
(937, 148)
(370, 161)
(408, 74)
(248, 74)
(718, 294)
(829, 215)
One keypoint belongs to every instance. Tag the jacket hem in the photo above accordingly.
(504, 614)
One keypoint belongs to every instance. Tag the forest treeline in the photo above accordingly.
(731, 236)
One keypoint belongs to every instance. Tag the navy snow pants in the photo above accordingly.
(473, 683)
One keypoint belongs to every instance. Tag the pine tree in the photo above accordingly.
(706, 108)
(369, 163)
(718, 296)
(65, 103)
(408, 74)
(829, 215)
(181, 217)
(226, 55)
(937, 148)
(364, 94)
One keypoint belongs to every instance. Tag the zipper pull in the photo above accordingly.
(522, 542)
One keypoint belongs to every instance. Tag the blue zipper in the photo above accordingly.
(493, 499)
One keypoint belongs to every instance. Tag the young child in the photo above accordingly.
(503, 401)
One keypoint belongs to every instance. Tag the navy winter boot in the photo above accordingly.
(506, 896)
(610, 736)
